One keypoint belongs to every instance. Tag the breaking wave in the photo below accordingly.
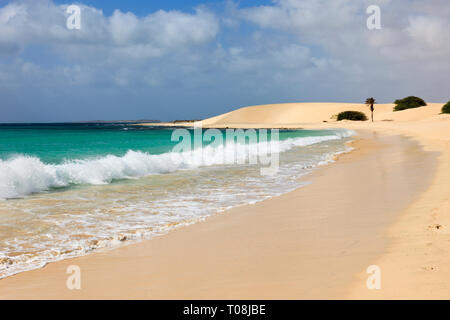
(22, 175)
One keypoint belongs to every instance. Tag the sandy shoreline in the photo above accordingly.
(311, 252)
(383, 204)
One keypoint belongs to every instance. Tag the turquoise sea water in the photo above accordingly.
(56, 143)
(68, 189)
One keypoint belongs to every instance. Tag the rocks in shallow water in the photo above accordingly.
(121, 237)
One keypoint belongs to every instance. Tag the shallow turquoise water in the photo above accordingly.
(58, 142)
(69, 189)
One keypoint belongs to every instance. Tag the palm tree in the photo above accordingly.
(370, 102)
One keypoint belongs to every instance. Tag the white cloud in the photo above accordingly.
(429, 32)
(339, 26)
(413, 40)
(292, 50)
(308, 19)
(38, 22)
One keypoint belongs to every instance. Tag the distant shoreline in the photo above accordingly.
(81, 122)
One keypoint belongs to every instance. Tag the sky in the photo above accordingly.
(192, 59)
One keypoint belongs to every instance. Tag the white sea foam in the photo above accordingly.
(22, 175)
(143, 212)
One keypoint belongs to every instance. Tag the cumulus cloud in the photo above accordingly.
(36, 22)
(412, 42)
(336, 24)
(173, 64)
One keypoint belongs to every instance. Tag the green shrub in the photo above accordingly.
(351, 115)
(409, 103)
(446, 108)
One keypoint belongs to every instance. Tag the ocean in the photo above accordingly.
(70, 189)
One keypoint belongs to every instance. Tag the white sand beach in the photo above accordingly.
(386, 203)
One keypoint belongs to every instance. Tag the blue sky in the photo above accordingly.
(194, 59)
(143, 8)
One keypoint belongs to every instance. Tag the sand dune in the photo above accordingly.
(297, 113)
